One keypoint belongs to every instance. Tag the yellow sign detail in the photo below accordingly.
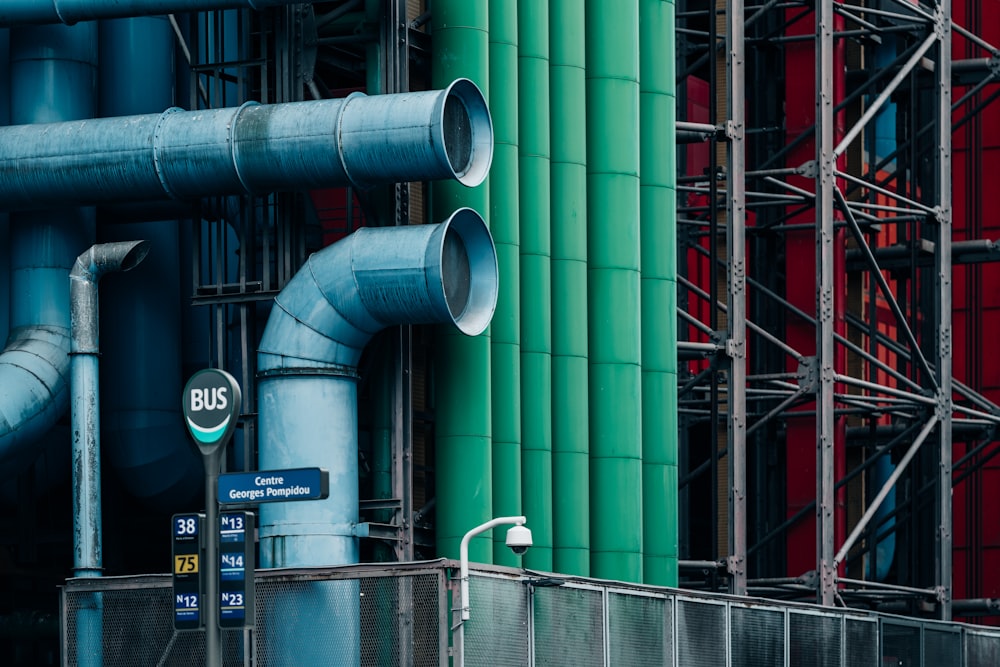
(186, 564)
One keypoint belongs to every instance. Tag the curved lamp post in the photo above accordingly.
(522, 542)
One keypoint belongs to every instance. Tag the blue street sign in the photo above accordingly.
(268, 486)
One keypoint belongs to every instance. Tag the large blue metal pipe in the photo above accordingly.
(308, 355)
(15, 12)
(250, 149)
(141, 370)
(307, 392)
(53, 71)
(53, 75)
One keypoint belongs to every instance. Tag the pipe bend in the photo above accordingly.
(34, 385)
(377, 277)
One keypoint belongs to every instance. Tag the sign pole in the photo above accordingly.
(212, 401)
(213, 635)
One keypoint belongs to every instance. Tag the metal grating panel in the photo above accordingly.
(982, 650)
(861, 643)
(942, 648)
(569, 627)
(369, 618)
(757, 636)
(813, 640)
(391, 632)
(636, 630)
(701, 634)
(900, 643)
(497, 632)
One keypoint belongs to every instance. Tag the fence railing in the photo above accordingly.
(406, 615)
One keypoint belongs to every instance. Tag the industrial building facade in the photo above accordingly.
(744, 287)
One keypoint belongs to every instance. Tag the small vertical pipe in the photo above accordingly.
(462, 391)
(612, 34)
(536, 281)
(570, 404)
(505, 347)
(658, 237)
(86, 445)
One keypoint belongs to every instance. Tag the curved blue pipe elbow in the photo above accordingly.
(321, 320)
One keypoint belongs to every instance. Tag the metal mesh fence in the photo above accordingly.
(497, 632)
(569, 626)
(900, 643)
(860, 642)
(758, 637)
(701, 633)
(399, 616)
(638, 630)
(942, 647)
(981, 649)
(303, 619)
(814, 639)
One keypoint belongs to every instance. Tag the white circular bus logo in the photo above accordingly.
(211, 406)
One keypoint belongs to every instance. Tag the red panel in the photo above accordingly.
(958, 286)
(990, 519)
(991, 575)
(697, 112)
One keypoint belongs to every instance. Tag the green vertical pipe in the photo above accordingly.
(536, 280)
(463, 424)
(612, 36)
(658, 240)
(570, 404)
(506, 326)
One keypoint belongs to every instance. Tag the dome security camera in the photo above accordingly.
(519, 539)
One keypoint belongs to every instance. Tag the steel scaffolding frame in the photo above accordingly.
(905, 355)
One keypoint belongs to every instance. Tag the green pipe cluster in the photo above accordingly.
(463, 443)
(570, 404)
(658, 240)
(536, 302)
(581, 435)
(506, 327)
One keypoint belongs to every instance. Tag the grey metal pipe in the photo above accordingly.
(253, 149)
(308, 355)
(307, 390)
(84, 392)
(14, 12)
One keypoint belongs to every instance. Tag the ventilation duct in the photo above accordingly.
(250, 149)
(307, 392)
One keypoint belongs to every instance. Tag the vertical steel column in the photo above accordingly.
(943, 283)
(825, 163)
(736, 322)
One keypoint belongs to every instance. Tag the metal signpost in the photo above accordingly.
(212, 400)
